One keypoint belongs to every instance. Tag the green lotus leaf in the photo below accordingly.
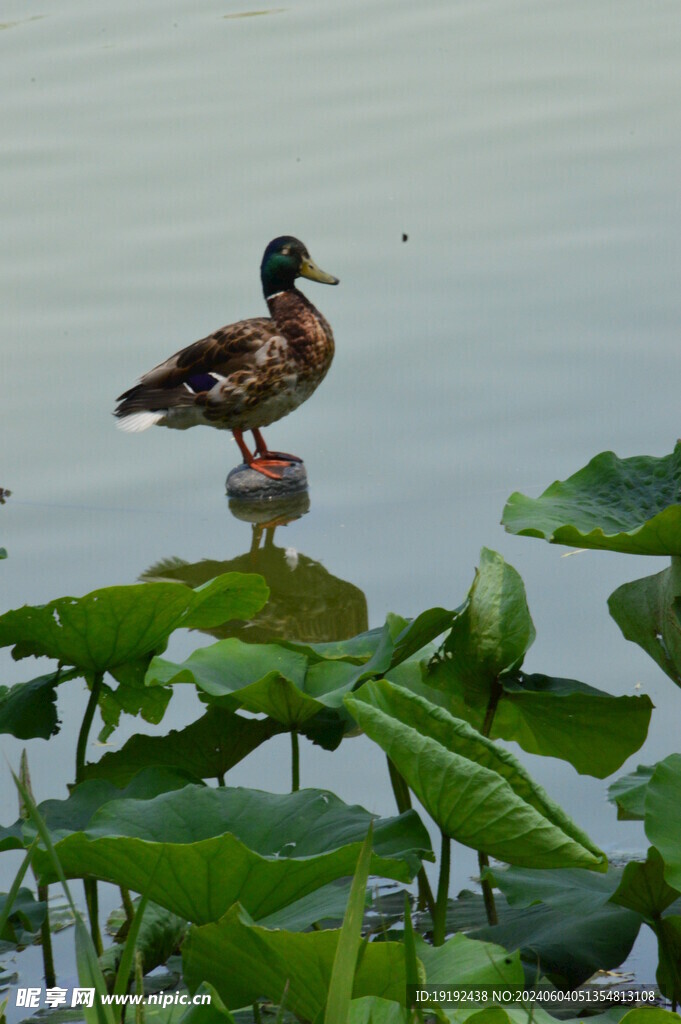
(477, 793)
(356, 650)
(237, 941)
(198, 850)
(630, 505)
(233, 595)
(323, 905)
(261, 962)
(25, 918)
(668, 973)
(262, 678)
(563, 922)
(465, 961)
(293, 683)
(399, 640)
(643, 888)
(327, 728)
(573, 891)
(374, 1010)
(493, 632)
(553, 938)
(629, 793)
(381, 649)
(109, 627)
(418, 632)
(562, 718)
(206, 749)
(213, 1011)
(522, 1014)
(646, 611)
(76, 812)
(151, 704)
(29, 710)
(493, 1015)
(592, 730)
(663, 816)
(467, 913)
(646, 1015)
(159, 935)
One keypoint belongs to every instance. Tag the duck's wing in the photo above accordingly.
(227, 350)
(181, 383)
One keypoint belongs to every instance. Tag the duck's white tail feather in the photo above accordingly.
(137, 421)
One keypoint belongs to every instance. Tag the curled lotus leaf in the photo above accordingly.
(631, 505)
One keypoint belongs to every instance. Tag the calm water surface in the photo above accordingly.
(530, 153)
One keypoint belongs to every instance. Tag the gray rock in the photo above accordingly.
(249, 485)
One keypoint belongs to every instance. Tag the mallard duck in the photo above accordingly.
(249, 374)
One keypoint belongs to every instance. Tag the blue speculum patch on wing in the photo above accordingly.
(202, 382)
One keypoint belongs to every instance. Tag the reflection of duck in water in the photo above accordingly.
(306, 602)
(249, 374)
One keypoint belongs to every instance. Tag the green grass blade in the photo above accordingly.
(410, 958)
(345, 960)
(282, 1005)
(16, 885)
(89, 972)
(411, 962)
(125, 967)
(90, 976)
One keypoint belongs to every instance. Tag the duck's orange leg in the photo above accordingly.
(264, 452)
(260, 464)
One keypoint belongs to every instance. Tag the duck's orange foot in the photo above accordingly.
(279, 456)
(263, 452)
(272, 467)
(271, 481)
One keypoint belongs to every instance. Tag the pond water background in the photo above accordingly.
(530, 152)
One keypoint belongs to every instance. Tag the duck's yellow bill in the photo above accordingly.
(310, 270)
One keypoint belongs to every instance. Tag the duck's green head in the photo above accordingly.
(286, 259)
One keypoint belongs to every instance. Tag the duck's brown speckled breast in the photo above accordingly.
(309, 336)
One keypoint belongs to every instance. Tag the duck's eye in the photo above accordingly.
(286, 251)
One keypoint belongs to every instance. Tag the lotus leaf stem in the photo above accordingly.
(128, 908)
(403, 801)
(669, 967)
(87, 722)
(487, 893)
(46, 939)
(400, 788)
(295, 761)
(483, 860)
(92, 901)
(440, 918)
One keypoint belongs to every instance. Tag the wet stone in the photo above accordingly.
(249, 485)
